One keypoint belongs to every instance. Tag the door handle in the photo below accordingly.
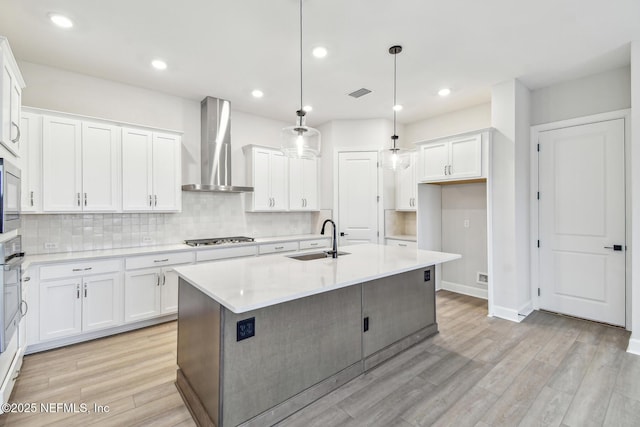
(342, 234)
(614, 247)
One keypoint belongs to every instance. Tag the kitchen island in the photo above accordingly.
(260, 338)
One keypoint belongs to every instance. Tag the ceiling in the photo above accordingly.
(228, 48)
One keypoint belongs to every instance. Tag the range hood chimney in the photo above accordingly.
(215, 149)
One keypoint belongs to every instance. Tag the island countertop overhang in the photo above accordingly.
(246, 284)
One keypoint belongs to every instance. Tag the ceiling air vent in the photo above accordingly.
(360, 92)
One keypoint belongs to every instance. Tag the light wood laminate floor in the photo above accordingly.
(478, 371)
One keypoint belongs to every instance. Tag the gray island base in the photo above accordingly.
(300, 349)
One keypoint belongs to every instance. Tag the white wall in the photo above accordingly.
(55, 89)
(469, 119)
(598, 93)
(634, 342)
(462, 202)
(509, 293)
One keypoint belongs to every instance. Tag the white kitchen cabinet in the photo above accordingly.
(406, 185)
(83, 302)
(31, 162)
(303, 184)
(11, 85)
(81, 163)
(152, 290)
(271, 248)
(151, 177)
(267, 174)
(455, 158)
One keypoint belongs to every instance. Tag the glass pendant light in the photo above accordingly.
(300, 141)
(395, 158)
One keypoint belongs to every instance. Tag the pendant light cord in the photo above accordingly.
(395, 57)
(300, 117)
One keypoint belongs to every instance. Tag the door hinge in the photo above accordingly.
(538, 147)
(538, 291)
(377, 164)
(378, 233)
(538, 195)
(538, 243)
(377, 198)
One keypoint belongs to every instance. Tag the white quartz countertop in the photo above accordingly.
(147, 250)
(245, 284)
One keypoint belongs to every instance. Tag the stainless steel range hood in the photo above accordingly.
(215, 149)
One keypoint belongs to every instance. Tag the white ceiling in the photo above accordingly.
(227, 48)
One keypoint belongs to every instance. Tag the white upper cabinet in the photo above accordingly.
(267, 174)
(61, 168)
(80, 166)
(11, 85)
(31, 162)
(406, 185)
(457, 158)
(151, 177)
(303, 184)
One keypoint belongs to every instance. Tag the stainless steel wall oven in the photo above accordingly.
(9, 196)
(11, 256)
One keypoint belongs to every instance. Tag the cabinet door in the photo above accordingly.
(310, 179)
(261, 176)
(466, 157)
(296, 184)
(167, 188)
(169, 291)
(5, 131)
(15, 113)
(22, 326)
(434, 161)
(405, 183)
(137, 192)
(100, 167)
(31, 156)
(61, 161)
(141, 294)
(278, 182)
(61, 310)
(102, 302)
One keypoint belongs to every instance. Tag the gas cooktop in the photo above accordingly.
(218, 241)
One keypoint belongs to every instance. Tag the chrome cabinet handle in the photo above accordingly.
(78, 198)
(449, 169)
(31, 198)
(26, 310)
(402, 244)
(150, 200)
(164, 279)
(76, 269)
(313, 244)
(78, 291)
(88, 268)
(85, 290)
(26, 279)
(279, 247)
(614, 247)
(18, 135)
(161, 260)
(85, 199)
(155, 200)
(157, 279)
(445, 169)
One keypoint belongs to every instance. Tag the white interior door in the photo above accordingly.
(358, 197)
(581, 218)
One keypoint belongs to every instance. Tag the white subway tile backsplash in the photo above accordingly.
(203, 215)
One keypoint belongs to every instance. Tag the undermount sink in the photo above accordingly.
(315, 255)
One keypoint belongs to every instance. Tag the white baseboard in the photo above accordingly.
(525, 310)
(634, 346)
(464, 289)
(506, 313)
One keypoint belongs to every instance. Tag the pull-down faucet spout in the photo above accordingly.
(334, 251)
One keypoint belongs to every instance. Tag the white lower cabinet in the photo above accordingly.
(152, 291)
(401, 243)
(80, 304)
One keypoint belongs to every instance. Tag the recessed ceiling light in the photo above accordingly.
(61, 20)
(444, 92)
(397, 107)
(307, 108)
(257, 93)
(320, 52)
(159, 64)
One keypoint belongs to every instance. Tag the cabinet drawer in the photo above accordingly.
(75, 269)
(270, 248)
(314, 244)
(222, 253)
(402, 243)
(158, 260)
